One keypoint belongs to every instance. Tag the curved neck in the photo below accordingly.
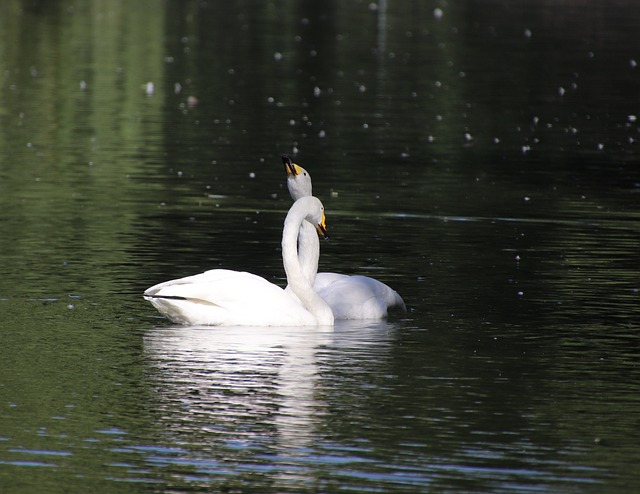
(298, 281)
(308, 251)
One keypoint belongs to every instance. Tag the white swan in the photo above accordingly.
(221, 297)
(350, 297)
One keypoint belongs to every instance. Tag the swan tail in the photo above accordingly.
(398, 303)
(188, 311)
(166, 297)
(193, 300)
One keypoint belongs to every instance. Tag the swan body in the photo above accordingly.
(357, 297)
(222, 297)
(350, 297)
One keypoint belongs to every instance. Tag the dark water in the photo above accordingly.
(481, 158)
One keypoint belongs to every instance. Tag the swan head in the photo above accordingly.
(298, 179)
(309, 209)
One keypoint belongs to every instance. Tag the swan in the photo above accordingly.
(350, 297)
(222, 297)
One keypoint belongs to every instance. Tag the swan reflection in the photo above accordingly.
(231, 379)
(238, 391)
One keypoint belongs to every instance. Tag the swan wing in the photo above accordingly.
(323, 280)
(357, 297)
(222, 297)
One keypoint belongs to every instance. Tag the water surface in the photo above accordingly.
(480, 158)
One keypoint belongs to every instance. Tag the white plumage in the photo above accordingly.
(222, 297)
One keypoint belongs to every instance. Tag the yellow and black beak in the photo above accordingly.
(289, 166)
(322, 227)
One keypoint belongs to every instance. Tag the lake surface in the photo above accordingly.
(481, 158)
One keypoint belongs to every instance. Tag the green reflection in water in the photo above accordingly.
(452, 167)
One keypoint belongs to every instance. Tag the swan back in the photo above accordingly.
(221, 297)
(357, 297)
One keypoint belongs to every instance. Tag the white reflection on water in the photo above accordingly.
(241, 372)
(239, 390)
(227, 380)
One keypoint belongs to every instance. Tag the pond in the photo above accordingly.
(480, 158)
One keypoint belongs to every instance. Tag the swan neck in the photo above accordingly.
(308, 251)
(298, 282)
